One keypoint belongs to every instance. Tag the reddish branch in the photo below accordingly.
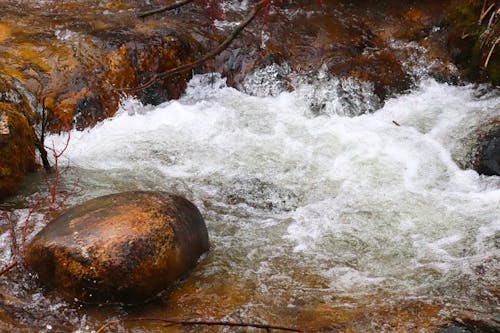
(18, 251)
(26, 227)
(224, 45)
(268, 328)
(55, 182)
(8, 267)
(13, 246)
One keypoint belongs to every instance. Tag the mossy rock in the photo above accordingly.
(16, 147)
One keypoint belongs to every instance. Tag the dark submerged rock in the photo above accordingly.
(122, 247)
(467, 325)
(489, 155)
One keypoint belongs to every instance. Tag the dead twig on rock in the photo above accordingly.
(486, 62)
(224, 45)
(265, 327)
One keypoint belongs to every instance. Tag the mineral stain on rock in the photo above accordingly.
(122, 247)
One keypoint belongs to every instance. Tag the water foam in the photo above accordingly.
(360, 200)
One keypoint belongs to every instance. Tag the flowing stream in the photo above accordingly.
(323, 207)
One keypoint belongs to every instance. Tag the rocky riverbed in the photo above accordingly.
(337, 181)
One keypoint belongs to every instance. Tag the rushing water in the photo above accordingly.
(312, 210)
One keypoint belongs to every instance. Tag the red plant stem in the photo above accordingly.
(212, 9)
(26, 225)
(8, 268)
(13, 247)
(55, 182)
(19, 252)
(67, 194)
(65, 145)
(265, 16)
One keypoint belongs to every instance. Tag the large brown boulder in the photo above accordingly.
(122, 247)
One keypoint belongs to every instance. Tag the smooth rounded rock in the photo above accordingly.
(123, 247)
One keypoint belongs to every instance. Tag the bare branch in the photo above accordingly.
(203, 323)
(40, 141)
(26, 227)
(13, 246)
(249, 18)
(491, 52)
(485, 12)
(8, 268)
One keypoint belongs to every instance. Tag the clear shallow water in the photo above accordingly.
(311, 212)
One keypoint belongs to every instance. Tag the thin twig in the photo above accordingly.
(492, 19)
(8, 268)
(40, 142)
(67, 194)
(491, 52)
(484, 13)
(13, 246)
(24, 234)
(260, 5)
(203, 323)
(164, 8)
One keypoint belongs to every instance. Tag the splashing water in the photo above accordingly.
(311, 208)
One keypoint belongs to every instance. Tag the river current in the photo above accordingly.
(317, 201)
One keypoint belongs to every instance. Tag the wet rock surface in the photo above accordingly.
(77, 59)
(468, 325)
(122, 247)
(349, 39)
(82, 57)
(488, 155)
(16, 139)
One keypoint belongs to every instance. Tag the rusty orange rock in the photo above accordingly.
(122, 247)
(17, 155)
(16, 148)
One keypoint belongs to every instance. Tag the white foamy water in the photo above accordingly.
(288, 194)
